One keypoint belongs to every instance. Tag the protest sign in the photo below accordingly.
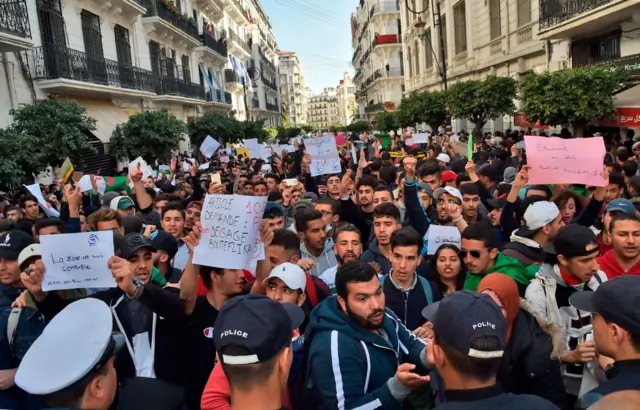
(325, 166)
(420, 138)
(289, 148)
(439, 235)
(224, 159)
(83, 265)
(204, 166)
(230, 226)
(209, 146)
(324, 155)
(48, 209)
(144, 167)
(245, 152)
(565, 161)
(251, 143)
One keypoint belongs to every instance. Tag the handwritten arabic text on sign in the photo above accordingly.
(440, 235)
(230, 225)
(83, 265)
(565, 161)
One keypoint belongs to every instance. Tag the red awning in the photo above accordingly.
(627, 117)
(520, 120)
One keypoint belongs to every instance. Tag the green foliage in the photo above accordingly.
(46, 133)
(574, 96)
(307, 128)
(221, 127)
(254, 129)
(481, 101)
(337, 128)
(386, 120)
(11, 173)
(151, 135)
(359, 126)
(419, 107)
(272, 131)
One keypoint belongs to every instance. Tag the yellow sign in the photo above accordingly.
(243, 151)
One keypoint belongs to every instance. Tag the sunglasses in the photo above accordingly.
(474, 254)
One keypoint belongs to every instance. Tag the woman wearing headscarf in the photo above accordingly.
(529, 363)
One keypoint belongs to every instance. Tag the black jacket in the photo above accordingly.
(491, 398)
(624, 375)
(527, 367)
(408, 305)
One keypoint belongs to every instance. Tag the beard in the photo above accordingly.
(341, 259)
(367, 322)
(445, 221)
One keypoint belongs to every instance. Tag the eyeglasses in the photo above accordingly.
(449, 201)
(474, 254)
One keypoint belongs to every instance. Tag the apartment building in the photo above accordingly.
(346, 94)
(121, 57)
(293, 90)
(324, 110)
(377, 56)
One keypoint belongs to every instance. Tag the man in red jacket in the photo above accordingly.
(624, 258)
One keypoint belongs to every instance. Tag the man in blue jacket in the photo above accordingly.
(355, 346)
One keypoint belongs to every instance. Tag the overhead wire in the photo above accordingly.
(315, 9)
(308, 14)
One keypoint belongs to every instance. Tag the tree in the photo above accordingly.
(151, 135)
(272, 131)
(254, 129)
(359, 126)
(386, 120)
(307, 128)
(428, 106)
(52, 130)
(574, 96)
(479, 101)
(11, 173)
(225, 130)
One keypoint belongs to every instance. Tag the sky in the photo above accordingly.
(320, 34)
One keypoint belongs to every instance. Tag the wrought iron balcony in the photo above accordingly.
(256, 103)
(272, 107)
(222, 97)
(168, 13)
(51, 62)
(266, 61)
(14, 18)
(554, 12)
(218, 46)
(230, 76)
(374, 108)
(269, 83)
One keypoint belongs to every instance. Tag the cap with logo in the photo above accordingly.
(12, 243)
(130, 244)
(447, 190)
(615, 300)
(573, 241)
(273, 210)
(464, 316)
(536, 216)
(31, 251)
(122, 203)
(165, 242)
(291, 274)
(621, 205)
(253, 329)
(65, 355)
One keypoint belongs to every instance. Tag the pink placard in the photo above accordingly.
(565, 161)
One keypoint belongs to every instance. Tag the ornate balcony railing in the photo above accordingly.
(162, 10)
(272, 107)
(553, 12)
(234, 37)
(52, 62)
(266, 61)
(270, 84)
(218, 46)
(14, 18)
(374, 108)
(256, 102)
(230, 76)
(223, 97)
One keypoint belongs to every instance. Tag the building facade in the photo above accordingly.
(346, 94)
(324, 110)
(293, 90)
(377, 56)
(122, 57)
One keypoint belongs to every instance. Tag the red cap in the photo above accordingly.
(448, 176)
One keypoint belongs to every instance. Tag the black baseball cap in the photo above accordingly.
(273, 210)
(496, 203)
(255, 325)
(13, 242)
(615, 300)
(571, 241)
(130, 244)
(165, 242)
(465, 316)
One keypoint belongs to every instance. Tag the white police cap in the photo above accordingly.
(70, 347)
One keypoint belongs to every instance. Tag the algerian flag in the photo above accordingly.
(119, 184)
(66, 170)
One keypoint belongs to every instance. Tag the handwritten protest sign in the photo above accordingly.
(224, 159)
(251, 143)
(325, 166)
(324, 155)
(83, 265)
(209, 146)
(440, 235)
(230, 226)
(420, 138)
(565, 161)
(245, 152)
(144, 167)
(48, 209)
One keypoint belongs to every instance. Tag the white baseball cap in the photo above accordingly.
(30, 251)
(448, 190)
(537, 215)
(443, 158)
(291, 274)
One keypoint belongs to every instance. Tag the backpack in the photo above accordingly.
(426, 286)
(12, 325)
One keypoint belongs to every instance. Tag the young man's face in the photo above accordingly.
(365, 195)
(159, 205)
(383, 227)
(230, 282)
(248, 189)
(31, 209)
(405, 261)
(327, 213)
(272, 184)
(625, 239)
(173, 223)
(315, 236)
(142, 263)
(348, 247)
(275, 223)
(333, 185)
(9, 272)
(613, 191)
(14, 215)
(49, 230)
(381, 197)
(260, 190)
(365, 303)
(148, 183)
(277, 290)
(84, 226)
(277, 255)
(582, 267)
(433, 181)
(192, 215)
(495, 216)
(478, 258)
(425, 200)
(441, 205)
(111, 225)
(470, 205)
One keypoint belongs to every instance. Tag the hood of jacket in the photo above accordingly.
(373, 247)
(551, 329)
(504, 264)
(528, 247)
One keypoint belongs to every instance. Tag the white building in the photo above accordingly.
(377, 56)
(324, 109)
(346, 93)
(293, 90)
(120, 57)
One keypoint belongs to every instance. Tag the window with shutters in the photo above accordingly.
(494, 17)
(460, 25)
(123, 46)
(428, 52)
(443, 21)
(524, 12)
(52, 25)
(186, 69)
(91, 33)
